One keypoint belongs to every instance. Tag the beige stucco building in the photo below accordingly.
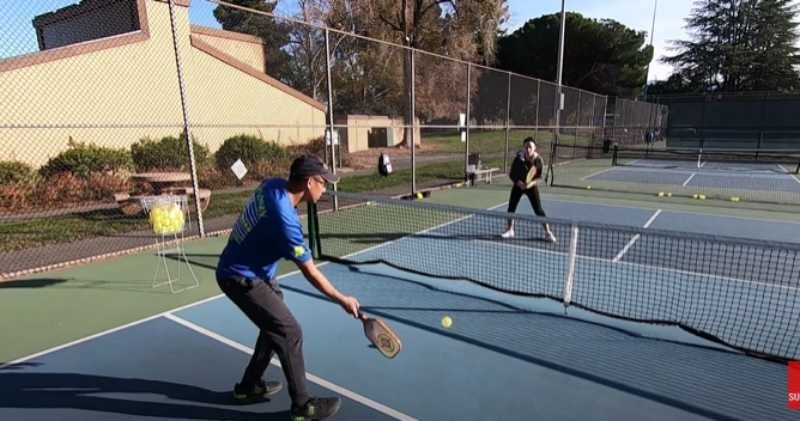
(106, 73)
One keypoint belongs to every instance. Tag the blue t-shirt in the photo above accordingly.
(267, 230)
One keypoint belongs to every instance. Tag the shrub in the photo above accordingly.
(251, 150)
(15, 196)
(12, 172)
(82, 160)
(167, 154)
(61, 188)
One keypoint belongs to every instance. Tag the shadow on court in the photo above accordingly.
(32, 283)
(85, 392)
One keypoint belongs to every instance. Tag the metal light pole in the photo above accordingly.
(556, 132)
(652, 33)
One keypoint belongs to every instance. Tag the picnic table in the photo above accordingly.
(163, 183)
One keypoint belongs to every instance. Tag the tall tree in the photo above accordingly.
(307, 49)
(601, 56)
(774, 52)
(739, 45)
(465, 30)
(275, 33)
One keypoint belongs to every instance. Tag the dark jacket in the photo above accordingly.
(525, 171)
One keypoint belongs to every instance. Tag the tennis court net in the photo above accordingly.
(779, 161)
(743, 294)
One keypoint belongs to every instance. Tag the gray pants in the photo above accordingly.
(262, 302)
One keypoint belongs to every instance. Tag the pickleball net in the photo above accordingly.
(736, 292)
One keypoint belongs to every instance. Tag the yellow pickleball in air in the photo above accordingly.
(447, 322)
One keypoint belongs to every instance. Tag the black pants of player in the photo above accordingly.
(262, 302)
(533, 196)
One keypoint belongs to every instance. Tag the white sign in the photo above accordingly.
(462, 119)
(328, 137)
(238, 168)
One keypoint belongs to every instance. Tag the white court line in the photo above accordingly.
(635, 238)
(689, 179)
(746, 218)
(596, 173)
(641, 265)
(710, 172)
(184, 307)
(312, 378)
(128, 325)
(790, 173)
(103, 333)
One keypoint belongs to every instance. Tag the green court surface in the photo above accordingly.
(52, 308)
(55, 307)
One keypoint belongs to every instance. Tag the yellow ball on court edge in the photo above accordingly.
(661, 194)
(447, 321)
(588, 187)
(419, 195)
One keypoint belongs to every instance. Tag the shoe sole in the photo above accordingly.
(302, 418)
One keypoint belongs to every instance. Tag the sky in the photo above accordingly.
(17, 35)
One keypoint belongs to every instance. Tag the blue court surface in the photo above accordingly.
(505, 357)
(766, 177)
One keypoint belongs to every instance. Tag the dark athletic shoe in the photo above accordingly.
(316, 409)
(257, 391)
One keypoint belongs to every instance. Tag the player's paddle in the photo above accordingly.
(379, 333)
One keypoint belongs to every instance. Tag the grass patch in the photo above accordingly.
(38, 232)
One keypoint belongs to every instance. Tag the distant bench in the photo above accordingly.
(485, 174)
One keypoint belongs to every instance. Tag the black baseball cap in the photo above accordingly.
(309, 165)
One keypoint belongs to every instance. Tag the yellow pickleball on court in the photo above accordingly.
(447, 322)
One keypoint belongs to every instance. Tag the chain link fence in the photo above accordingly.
(109, 103)
(745, 121)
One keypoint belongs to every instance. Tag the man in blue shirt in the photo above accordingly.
(267, 230)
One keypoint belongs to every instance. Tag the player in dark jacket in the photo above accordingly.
(526, 172)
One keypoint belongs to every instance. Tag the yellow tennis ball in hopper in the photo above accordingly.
(447, 322)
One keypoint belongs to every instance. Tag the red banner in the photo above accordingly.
(794, 385)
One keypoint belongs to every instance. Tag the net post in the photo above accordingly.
(313, 231)
(570, 279)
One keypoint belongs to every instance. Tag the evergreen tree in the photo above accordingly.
(275, 33)
(739, 45)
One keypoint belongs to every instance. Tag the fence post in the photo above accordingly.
(413, 112)
(508, 123)
(466, 122)
(538, 101)
(185, 111)
(330, 115)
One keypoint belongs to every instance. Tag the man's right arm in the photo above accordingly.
(323, 285)
(294, 249)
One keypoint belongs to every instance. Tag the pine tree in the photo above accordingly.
(739, 45)
(773, 48)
